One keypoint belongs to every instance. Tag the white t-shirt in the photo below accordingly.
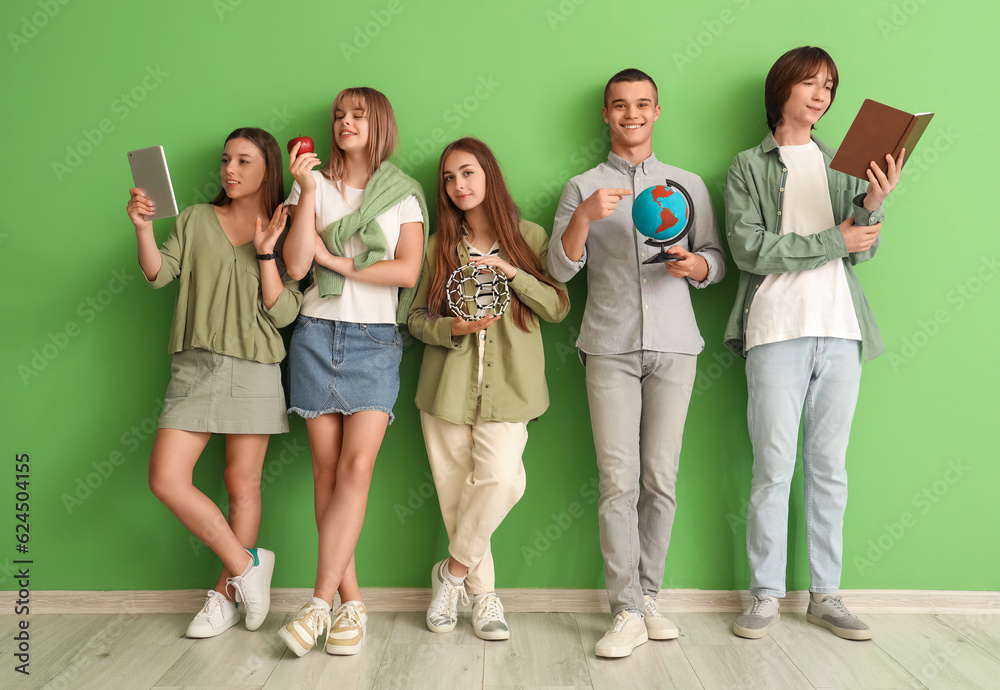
(359, 302)
(813, 303)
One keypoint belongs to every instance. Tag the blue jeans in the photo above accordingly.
(820, 377)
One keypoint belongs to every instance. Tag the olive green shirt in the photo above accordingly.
(219, 306)
(514, 388)
(755, 186)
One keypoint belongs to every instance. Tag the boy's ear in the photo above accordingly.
(604, 114)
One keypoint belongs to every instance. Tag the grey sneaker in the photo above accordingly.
(832, 613)
(488, 622)
(759, 616)
(442, 614)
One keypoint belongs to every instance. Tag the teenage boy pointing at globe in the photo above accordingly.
(639, 343)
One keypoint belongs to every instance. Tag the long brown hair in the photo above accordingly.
(273, 186)
(791, 68)
(382, 130)
(504, 220)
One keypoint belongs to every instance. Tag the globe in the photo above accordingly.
(662, 213)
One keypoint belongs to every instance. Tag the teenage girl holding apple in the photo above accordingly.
(233, 295)
(481, 381)
(358, 231)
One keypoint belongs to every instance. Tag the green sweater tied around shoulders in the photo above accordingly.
(387, 187)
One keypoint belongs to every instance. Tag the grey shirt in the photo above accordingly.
(630, 305)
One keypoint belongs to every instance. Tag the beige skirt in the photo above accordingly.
(222, 394)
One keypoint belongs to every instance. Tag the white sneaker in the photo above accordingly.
(442, 614)
(658, 626)
(253, 586)
(304, 630)
(488, 622)
(627, 633)
(347, 636)
(216, 617)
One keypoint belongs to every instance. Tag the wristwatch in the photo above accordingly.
(266, 257)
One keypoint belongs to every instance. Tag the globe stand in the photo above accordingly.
(662, 257)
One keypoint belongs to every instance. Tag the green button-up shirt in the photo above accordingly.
(514, 388)
(755, 186)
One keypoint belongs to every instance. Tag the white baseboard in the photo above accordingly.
(518, 600)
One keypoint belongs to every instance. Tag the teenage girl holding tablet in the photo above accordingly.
(232, 297)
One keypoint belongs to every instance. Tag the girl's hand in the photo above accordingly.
(265, 239)
(505, 268)
(139, 206)
(327, 259)
(301, 168)
(881, 183)
(460, 326)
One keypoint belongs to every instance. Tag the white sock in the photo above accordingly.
(817, 597)
(321, 602)
(453, 579)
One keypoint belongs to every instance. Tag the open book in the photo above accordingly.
(876, 131)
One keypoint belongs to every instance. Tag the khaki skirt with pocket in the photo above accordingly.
(222, 394)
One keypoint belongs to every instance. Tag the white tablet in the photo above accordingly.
(150, 174)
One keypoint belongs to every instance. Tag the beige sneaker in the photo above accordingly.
(302, 632)
(347, 636)
(658, 626)
(627, 632)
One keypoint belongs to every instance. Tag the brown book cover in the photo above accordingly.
(876, 131)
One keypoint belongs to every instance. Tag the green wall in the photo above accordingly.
(84, 361)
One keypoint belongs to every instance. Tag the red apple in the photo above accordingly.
(306, 147)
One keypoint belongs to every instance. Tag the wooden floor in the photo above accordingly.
(546, 650)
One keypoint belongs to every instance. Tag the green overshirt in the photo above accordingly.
(514, 388)
(219, 306)
(755, 186)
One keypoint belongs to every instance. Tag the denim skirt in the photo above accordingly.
(222, 394)
(342, 367)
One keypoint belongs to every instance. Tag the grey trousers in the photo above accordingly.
(638, 404)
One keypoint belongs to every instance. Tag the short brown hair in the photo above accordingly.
(630, 75)
(791, 68)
